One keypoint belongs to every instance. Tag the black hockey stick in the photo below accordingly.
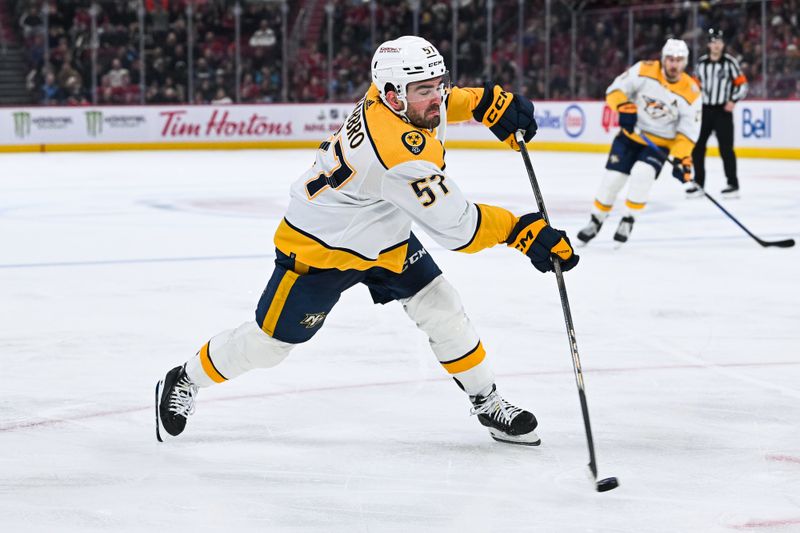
(610, 482)
(786, 243)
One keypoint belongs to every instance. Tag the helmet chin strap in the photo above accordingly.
(442, 129)
(400, 113)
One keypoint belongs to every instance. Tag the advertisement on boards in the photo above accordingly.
(569, 125)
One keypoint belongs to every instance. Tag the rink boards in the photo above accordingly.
(762, 127)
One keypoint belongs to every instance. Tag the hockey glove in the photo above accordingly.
(627, 116)
(683, 172)
(505, 113)
(541, 243)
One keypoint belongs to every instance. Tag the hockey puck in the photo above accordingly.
(609, 483)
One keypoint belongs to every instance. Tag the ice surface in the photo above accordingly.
(117, 266)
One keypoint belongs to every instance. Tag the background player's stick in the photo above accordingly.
(607, 483)
(786, 243)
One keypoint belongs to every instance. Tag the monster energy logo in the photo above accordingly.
(94, 123)
(22, 124)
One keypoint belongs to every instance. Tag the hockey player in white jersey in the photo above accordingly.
(349, 221)
(659, 99)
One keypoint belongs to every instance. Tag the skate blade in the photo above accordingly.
(619, 242)
(731, 196)
(529, 439)
(159, 427)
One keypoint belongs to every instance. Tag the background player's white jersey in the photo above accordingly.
(354, 207)
(669, 112)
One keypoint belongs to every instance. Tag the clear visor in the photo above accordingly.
(419, 91)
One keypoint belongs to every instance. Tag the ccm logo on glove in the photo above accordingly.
(504, 114)
(541, 243)
(498, 106)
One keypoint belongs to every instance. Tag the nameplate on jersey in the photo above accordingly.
(414, 141)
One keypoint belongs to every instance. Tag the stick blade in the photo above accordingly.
(788, 243)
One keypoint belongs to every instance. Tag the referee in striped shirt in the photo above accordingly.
(723, 84)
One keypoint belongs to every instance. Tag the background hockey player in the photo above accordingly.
(723, 84)
(349, 221)
(661, 100)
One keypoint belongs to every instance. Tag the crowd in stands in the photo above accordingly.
(67, 77)
(599, 48)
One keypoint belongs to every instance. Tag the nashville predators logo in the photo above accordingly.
(414, 141)
(656, 108)
(312, 320)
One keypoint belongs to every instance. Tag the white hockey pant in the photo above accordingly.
(437, 310)
(642, 178)
(234, 352)
(613, 180)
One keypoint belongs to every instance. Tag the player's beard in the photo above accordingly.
(421, 120)
(673, 75)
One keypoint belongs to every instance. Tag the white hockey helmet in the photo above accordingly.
(675, 48)
(405, 60)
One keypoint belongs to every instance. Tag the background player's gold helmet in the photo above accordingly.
(402, 61)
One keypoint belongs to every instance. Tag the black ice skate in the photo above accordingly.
(174, 402)
(590, 231)
(624, 229)
(693, 191)
(506, 423)
(731, 191)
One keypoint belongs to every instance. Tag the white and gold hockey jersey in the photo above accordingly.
(353, 209)
(669, 113)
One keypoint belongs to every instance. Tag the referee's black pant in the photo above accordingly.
(715, 119)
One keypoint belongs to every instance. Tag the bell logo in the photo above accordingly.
(22, 124)
(755, 126)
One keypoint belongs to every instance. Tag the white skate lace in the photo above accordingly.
(497, 408)
(181, 401)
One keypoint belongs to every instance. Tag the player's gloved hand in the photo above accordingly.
(504, 113)
(683, 172)
(541, 243)
(627, 116)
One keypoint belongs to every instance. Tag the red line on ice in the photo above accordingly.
(784, 458)
(98, 414)
(755, 524)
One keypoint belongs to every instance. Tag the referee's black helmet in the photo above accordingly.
(715, 34)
